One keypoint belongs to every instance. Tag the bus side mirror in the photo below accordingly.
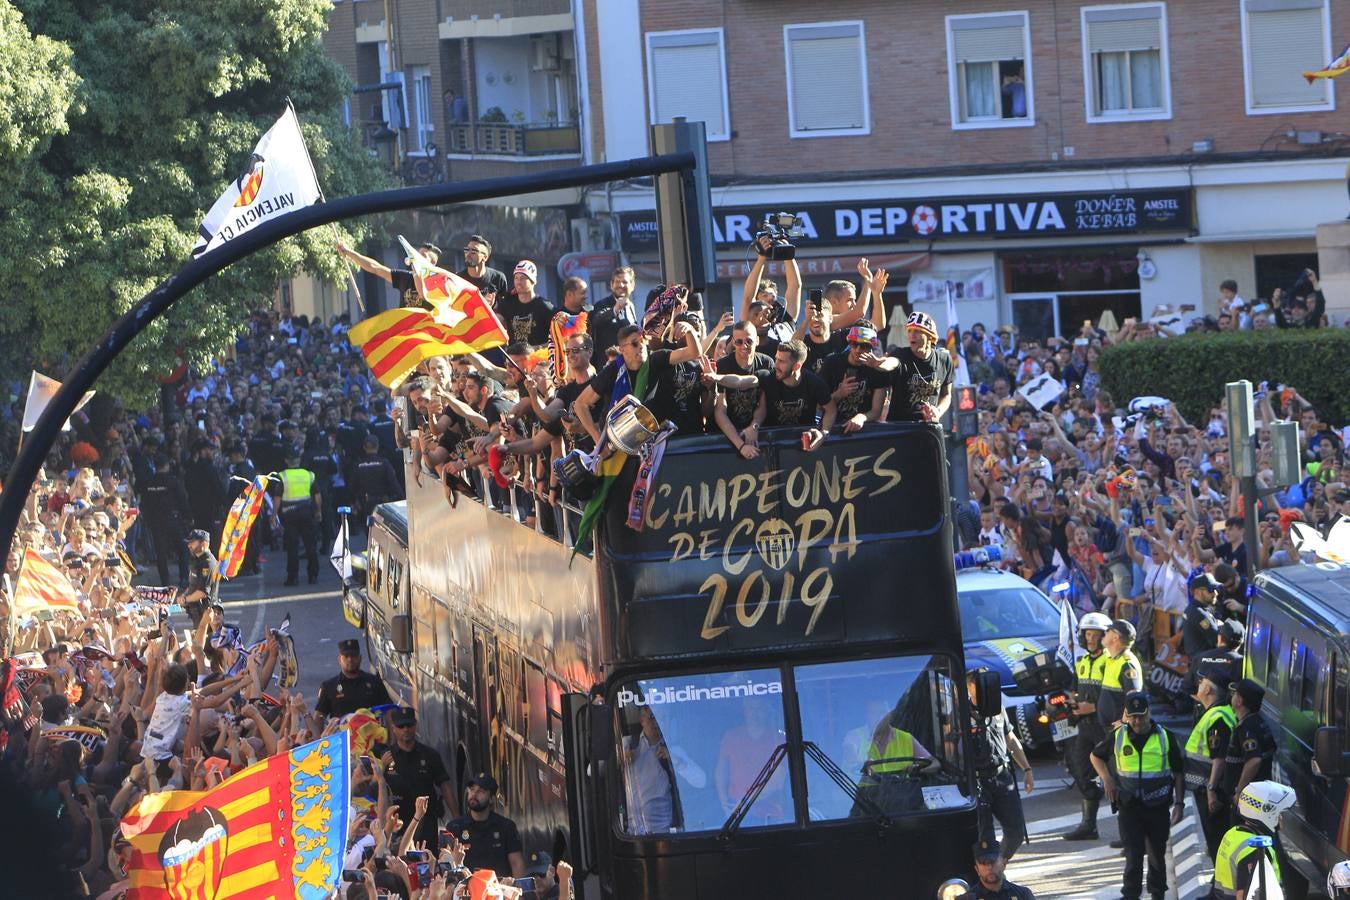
(588, 744)
(401, 633)
(988, 694)
(1331, 760)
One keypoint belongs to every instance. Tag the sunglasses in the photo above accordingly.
(743, 342)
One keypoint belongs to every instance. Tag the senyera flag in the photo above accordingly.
(280, 178)
(1337, 67)
(238, 523)
(42, 586)
(278, 829)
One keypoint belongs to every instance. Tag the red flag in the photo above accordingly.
(394, 342)
(42, 586)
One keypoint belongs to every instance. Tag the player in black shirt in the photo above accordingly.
(817, 333)
(738, 375)
(921, 377)
(605, 388)
(793, 396)
(351, 689)
(525, 315)
(858, 388)
(401, 279)
(477, 251)
(680, 389)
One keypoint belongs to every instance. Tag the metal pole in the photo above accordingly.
(1249, 517)
(166, 293)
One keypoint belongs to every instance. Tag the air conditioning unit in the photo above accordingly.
(544, 53)
(588, 235)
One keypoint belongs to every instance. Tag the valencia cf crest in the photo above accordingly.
(250, 182)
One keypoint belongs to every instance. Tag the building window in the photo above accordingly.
(826, 79)
(687, 76)
(1125, 53)
(424, 126)
(990, 69)
(1282, 39)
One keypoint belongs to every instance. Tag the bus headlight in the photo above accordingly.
(953, 889)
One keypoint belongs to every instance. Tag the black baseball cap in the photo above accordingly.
(538, 863)
(1124, 628)
(484, 781)
(402, 715)
(1251, 693)
(989, 848)
(1204, 580)
(1232, 631)
(349, 647)
(197, 534)
(1136, 703)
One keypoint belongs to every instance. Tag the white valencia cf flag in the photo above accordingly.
(279, 179)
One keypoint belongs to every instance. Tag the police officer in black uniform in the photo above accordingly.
(323, 462)
(266, 448)
(1201, 629)
(989, 881)
(352, 688)
(239, 474)
(493, 839)
(414, 769)
(196, 593)
(996, 747)
(375, 481)
(1251, 749)
(1224, 662)
(164, 506)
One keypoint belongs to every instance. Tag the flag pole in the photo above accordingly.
(351, 276)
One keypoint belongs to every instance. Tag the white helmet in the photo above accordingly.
(1338, 881)
(1263, 801)
(1094, 621)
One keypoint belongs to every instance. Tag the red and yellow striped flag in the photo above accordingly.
(278, 829)
(42, 586)
(238, 524)
(394, 342)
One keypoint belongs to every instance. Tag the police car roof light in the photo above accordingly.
(977, 557)
(1061, 588)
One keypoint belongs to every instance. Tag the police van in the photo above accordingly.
(1005, 619)
(1298, 648)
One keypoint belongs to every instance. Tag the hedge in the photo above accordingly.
(1192, 369)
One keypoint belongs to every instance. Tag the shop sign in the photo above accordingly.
(891, 221)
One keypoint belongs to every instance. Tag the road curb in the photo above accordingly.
(1190, 880)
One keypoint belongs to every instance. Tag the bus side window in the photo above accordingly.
(536, 698)
(1312, 670)
(1297, 654)
(1273, 659)
(373, 559)
(1337, 696)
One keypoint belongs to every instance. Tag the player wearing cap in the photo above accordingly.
(201, 565)
(1141, 770)
(1120, 676)
(858, 383)
(401, 279)
(1251, 752)
(1206, 750)
(301, 512)
(525, 314)
(1201, 628)
(1252, 841)
(921, 383)
(352, 688)
(493, 840)
(1090, 669)
(989, 866)
(414, 769)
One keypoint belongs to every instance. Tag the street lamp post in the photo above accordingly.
(1242, 453)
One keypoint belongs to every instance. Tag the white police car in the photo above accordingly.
(1004, 619)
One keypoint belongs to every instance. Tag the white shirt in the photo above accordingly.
(167, 724)
(1164, 586)
(649, 787)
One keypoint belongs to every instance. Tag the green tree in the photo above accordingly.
(121, 121)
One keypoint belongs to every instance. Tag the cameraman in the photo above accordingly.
(758, 288)
(995, 746)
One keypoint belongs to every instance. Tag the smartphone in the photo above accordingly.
(367, 766)
(1080, 342)
(112, 561)
(353, 876)
(316, 395)
(816, 297)
(413, 855)
(525, 884)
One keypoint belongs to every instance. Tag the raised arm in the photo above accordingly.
(692, 349)
(792, 293)
(365, 263)
(751, 285)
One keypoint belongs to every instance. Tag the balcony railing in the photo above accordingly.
(515, 140)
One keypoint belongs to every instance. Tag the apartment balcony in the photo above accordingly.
(524, 141)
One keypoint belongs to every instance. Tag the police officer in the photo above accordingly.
(239, 474)
(321, 459)
(1251, 751)
(996, 747)
(352, 688)
(1120, 676)
(414, 769)
(1225, 660)
(1200, 632)
(1206, 750)
(164, 506)
(301, 509)
(493, 840)
(1090, 668)
(201, 567)
(1141, 769)
(1252, 839)
(375, 481)
(990, 883)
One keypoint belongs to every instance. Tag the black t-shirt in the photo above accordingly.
(917, 381)
(836, 368)
(658, 362)
(1235, 557)
(340, 696)
(679, 397)
(1251, 739)
(794, 404)
(491, 842)
(418, 772)
(199, 572)
(567, 395)
(490, 277)
(407, 289)
(816, 352)
(741, 404)
(525, 321)
(1200, 631)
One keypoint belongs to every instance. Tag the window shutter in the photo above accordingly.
(687, 81)
(1116, 30)
(827, 78)
(989, 38)
(1282, 44)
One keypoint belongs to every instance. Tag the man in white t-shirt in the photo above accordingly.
(169, 720)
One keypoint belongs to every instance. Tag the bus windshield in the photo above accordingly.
(879, 737)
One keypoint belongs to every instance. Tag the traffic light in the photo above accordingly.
(967, 415)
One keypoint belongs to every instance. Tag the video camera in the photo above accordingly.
(1046, 676)
(779, 231)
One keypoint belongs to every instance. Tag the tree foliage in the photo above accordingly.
(121, 121)
(1192, 370)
